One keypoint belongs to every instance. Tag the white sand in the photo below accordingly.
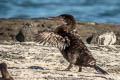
(31, 61)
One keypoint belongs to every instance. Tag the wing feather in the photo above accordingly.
(52, 39)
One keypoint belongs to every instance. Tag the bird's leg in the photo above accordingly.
(72, 58)
(69, 67)
(80, 69)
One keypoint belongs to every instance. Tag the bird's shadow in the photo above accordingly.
(30, 67)
(36, 67)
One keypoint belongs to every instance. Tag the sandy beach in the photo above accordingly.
(31, 61)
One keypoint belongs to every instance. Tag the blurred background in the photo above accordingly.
(105, 11)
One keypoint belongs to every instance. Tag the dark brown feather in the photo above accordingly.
(70, 44)
(52, 39)
(78, 54)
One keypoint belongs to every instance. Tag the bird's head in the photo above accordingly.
(67, 18)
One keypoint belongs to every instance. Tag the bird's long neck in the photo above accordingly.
(61, 30)
(71, 24)
(62, 33)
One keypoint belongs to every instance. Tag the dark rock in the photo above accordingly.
(20, 37)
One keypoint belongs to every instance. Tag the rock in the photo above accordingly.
(27, 32)
(107, 38)
(91, 39)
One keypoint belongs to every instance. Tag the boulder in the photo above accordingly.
(107, 38)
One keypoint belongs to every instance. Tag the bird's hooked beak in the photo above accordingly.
(55, 18)
(59, 18)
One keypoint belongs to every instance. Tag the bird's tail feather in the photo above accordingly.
(100, 70)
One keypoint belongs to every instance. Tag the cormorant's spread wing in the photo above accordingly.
(52, 39)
